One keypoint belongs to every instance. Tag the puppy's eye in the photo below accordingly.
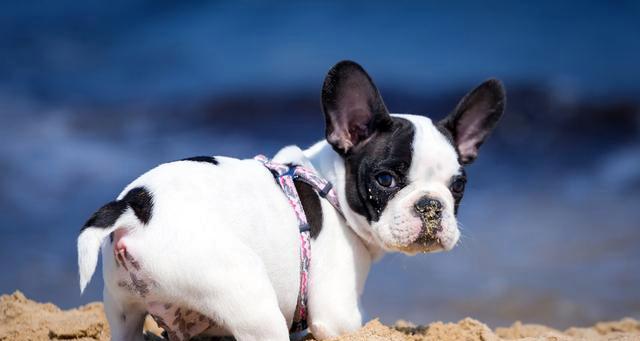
(457, 186)
(386, 179)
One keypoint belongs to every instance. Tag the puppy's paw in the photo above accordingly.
(321, 331)
(329, 323)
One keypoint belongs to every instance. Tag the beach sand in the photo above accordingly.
(24, 319)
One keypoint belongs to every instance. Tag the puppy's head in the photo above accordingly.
(404, 174)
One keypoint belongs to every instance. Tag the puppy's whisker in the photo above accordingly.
(464, 237)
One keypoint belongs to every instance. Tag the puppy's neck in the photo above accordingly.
(323, 159)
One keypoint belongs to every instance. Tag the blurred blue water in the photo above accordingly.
(92, 94)
(144, 50)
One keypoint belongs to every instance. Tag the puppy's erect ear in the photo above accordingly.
(474, 118)
(352, 106)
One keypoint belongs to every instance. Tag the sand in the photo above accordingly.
(24, 319)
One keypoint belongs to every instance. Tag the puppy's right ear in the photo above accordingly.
(473, 119)
(352, 106)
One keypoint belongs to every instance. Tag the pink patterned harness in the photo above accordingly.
(285, 175)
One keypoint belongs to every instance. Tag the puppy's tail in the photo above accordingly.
(89, 242)
(129, 212)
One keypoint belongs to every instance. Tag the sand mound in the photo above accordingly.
(23, 319)
(472, 330)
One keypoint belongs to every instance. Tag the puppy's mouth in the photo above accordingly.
(429, 241)
(424, 244)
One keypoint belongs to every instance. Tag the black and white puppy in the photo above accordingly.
(211, 244)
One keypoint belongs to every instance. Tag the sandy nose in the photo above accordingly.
(430, 211)
(429, 206)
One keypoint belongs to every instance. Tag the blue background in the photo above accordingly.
(94, 93)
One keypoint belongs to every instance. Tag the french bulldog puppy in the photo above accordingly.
(210, 245)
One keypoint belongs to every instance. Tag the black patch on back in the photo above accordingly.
(139, 199)
(389, 150)
(311, 205)
(210, 159)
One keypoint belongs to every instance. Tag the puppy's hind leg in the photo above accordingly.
(236, 293)
(125, 319)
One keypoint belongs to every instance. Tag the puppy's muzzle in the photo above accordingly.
(430, 211)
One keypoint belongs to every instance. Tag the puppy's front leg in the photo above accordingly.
(336, 313)
(338, 272)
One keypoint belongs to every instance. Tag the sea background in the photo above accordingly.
(94, 93)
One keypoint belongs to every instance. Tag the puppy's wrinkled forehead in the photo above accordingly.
(434, 158)
(391, 147)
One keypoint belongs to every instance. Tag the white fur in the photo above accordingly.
(223, 241)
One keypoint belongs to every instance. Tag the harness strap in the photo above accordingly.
(284, 176)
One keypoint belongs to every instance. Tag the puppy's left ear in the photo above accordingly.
(352, 106)
(474, 118)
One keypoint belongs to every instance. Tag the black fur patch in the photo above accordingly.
(311, 205)
(390, 150)
(210, 159)
(107, 215)
(457, 197)
(447, 134)
(139, 199)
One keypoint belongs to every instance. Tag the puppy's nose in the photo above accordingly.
(430, 206)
